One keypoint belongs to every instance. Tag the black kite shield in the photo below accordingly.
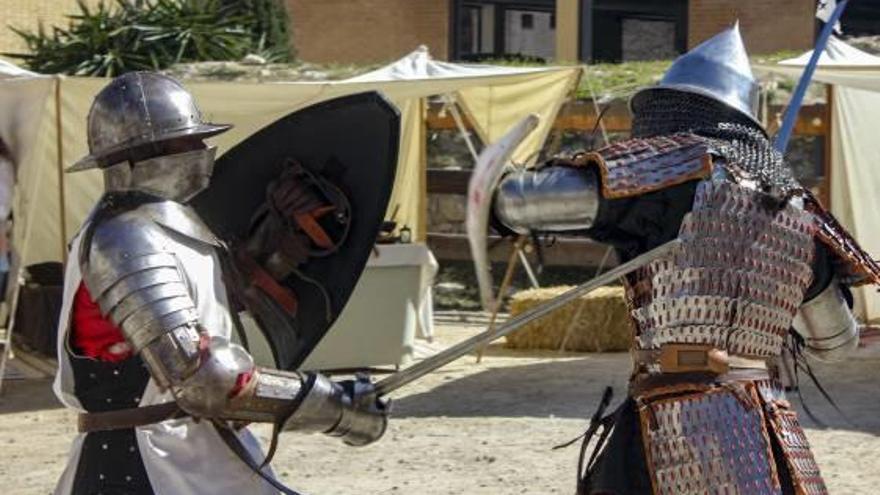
(345, 152)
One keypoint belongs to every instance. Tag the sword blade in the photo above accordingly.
(422, 368)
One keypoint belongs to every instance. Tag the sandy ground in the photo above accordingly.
(485, 428)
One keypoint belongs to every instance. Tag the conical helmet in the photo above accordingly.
(137, 110)
(717, 68)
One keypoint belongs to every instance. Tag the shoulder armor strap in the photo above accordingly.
(637, 166)
(854, 265)
(131, 271)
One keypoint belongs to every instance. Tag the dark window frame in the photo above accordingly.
(501, 7)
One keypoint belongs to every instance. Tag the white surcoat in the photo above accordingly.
(181, 457)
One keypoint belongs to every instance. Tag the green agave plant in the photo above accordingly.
(128, 35)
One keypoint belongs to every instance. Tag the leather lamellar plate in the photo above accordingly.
(854, 265)
(637, 166)
(732, 439)
(709, 442)
(735, 282)
(788, 434)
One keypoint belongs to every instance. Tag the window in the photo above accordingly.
(529, 33)
(647, 39)
(471, 30)
(518, 29)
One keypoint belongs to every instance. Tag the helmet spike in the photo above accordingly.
(718, 68)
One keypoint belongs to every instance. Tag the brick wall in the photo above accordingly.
(27, 14)
(349, 31)
(767, 25)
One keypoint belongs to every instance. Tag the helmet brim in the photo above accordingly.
(641, 95)
(92, 161)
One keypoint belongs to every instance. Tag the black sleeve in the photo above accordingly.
(823, 275)
(638, 224)
(823, 272)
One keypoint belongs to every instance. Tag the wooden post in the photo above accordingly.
(59, 146)
(567, 30)
(508, 276)
(825, 193)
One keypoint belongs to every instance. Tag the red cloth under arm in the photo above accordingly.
(93, 335)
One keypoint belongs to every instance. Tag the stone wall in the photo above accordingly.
(367, 31)
(767, 25)
(28, 14)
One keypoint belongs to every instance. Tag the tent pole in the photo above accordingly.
(596, 108)
(459, 122)
(505, 283)
(59, 142)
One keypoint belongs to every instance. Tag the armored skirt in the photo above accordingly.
(738, 437)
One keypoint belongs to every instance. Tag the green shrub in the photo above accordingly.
(269, 30)
(128, 35)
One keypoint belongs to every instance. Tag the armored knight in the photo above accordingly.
(145, 344)
(757, 255)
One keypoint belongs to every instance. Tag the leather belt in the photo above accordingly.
(128, 418)
(694, 358)
(646, 385)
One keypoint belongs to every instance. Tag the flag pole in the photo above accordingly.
(797, 99)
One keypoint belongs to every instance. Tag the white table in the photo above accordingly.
(390, 305)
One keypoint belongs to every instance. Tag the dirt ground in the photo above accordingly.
(485, 428)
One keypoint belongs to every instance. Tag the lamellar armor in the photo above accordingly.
(756, 256)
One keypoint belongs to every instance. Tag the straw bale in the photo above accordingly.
(603, 325)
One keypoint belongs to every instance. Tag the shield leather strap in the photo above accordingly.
(232, 441)
(261, 279)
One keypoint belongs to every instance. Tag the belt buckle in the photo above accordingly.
(690, 358)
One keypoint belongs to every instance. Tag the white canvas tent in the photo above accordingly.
(51, 205)
(854, 77)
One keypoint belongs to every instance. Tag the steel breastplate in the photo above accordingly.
(736, 281)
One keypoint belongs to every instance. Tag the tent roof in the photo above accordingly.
(840, 63)
(493, 97)
(837, 54)
(419, 65)
(8, 69)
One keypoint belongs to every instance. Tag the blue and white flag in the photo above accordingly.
(824, 10)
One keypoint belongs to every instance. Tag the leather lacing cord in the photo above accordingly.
(597, 421)
(795, 346)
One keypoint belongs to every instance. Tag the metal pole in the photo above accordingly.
(422, 368)
(10, 327)
(451, 103)
(528, 267)
(577, 314)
